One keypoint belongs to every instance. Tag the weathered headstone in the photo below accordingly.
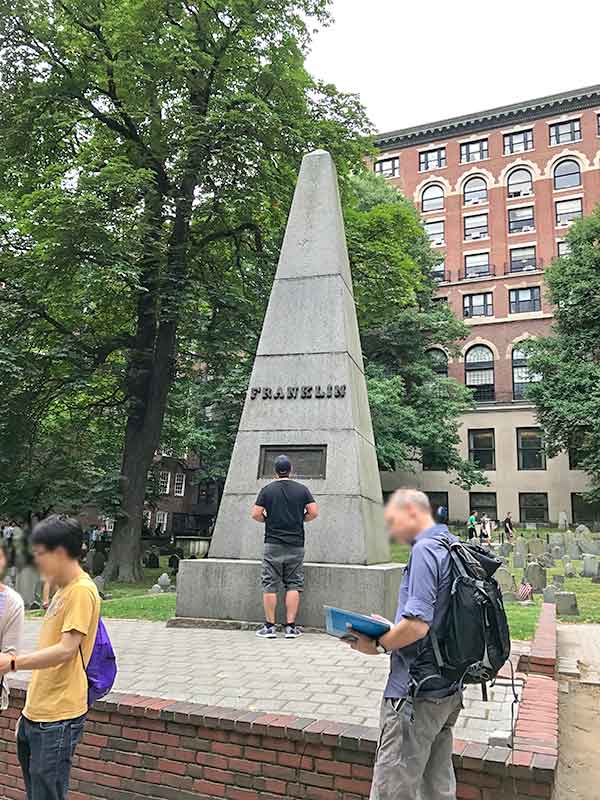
(549, 594)
(573, 550)
(563, 520)
(558, 581)
(506, 549)
(507, 583)
(521, 546)
(164, 582)
(590, 565)
(557, 539)
(535, 574)
(583, 531)
(531, 526)
(307, 398)
(566, 603)
(152, 561)
(537, 546)
(518, 561)
(546, 560)
(27, 584)
(558, 552)
(569, 569)
(155, 589)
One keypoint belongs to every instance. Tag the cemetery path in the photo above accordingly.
(314, 676)
(579, 768)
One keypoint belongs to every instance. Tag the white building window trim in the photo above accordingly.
(179, 484)
(164, 486)
(162, 518)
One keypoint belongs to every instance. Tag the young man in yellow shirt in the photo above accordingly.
(52, 722)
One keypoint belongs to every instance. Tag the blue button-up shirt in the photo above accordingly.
(424, 595)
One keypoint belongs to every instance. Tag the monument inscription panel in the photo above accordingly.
(309, 460)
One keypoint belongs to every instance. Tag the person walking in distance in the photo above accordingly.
(283, 506)
(508, 527)
(52, 722)
(414, 756)
(472, 525)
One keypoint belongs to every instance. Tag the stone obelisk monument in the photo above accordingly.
(307, 398)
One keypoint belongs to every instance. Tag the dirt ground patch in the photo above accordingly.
(579, 749)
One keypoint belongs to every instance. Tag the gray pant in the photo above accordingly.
(414, 758)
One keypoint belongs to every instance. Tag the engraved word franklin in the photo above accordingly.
(298, 392)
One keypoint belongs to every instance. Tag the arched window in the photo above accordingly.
(432, 198)
(567, 174)
(439, 361)
(519, 182)
(521, 375)
(479, 372)
(475, 191)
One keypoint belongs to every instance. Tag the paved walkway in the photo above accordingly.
(314, 676)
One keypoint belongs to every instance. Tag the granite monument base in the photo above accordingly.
(229, 589)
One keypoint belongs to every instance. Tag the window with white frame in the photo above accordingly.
(518, 142)
(474, 151)
(568, 210)
(477, 265)
(522, 376)
(147, 517)
(432, 159)
(179, 486)
(523, 259)
(479, 372)
(438, 272)
(476, 227)
(432, 198)
(164, 482)
(563, 248)
(519, 183)
(475, 191)
(388, 167)
(565, 132)
(478, 305)
(435, 231)
(162, 520)
(567, 174)
(521, 220)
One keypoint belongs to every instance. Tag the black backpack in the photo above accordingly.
(473, 641)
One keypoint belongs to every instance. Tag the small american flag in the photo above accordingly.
(525, 591)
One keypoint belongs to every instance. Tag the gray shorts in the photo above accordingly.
(282, 568)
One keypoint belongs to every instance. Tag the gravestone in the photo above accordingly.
(507, 583)
(590, 545)
(558, 552)
(164, 582)
(155, 589)
(546, 560)
(152, 560)
(582, 531)
(569, 569)
(558, 581)
(521, 546)
(557, 539)
(518, 561)
(27, 584)
(537, 546)
(506, 549)
(590, 565)
(563, 521)
(566, 604)
(307, 398)
(573, 550)
(531, 526)
(535, 574)
(549, 594)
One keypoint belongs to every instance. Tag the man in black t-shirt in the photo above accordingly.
(283, 506)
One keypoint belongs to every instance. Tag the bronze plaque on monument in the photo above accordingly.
(308, 460)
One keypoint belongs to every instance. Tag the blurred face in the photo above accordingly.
(50, 563)
(405, 522)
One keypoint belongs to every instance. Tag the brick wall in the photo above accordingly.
(139, 748)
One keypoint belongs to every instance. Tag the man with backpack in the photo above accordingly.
(414, 757)
(57, 699)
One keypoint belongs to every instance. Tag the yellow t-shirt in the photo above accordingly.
(60, 692)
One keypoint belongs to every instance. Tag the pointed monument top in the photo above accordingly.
(315, 241)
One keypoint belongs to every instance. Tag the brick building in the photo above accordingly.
(497, 191)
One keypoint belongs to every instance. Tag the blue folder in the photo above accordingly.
(338, 622)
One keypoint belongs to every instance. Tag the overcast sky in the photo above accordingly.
(417, 62)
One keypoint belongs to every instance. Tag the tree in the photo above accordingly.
(145, 149)
(567, 362)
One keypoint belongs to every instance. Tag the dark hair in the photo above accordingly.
(57, 531)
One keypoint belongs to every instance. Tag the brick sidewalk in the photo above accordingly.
(313, 676)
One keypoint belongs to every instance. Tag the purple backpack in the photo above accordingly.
(101, 670)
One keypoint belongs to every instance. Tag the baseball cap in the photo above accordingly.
(282, 465)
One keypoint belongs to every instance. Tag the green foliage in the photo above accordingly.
(568, 361)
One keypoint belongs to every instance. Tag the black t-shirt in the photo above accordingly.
(508, 525)
(285, 502)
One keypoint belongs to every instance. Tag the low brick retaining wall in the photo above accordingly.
(543, 655)
(138, 748)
